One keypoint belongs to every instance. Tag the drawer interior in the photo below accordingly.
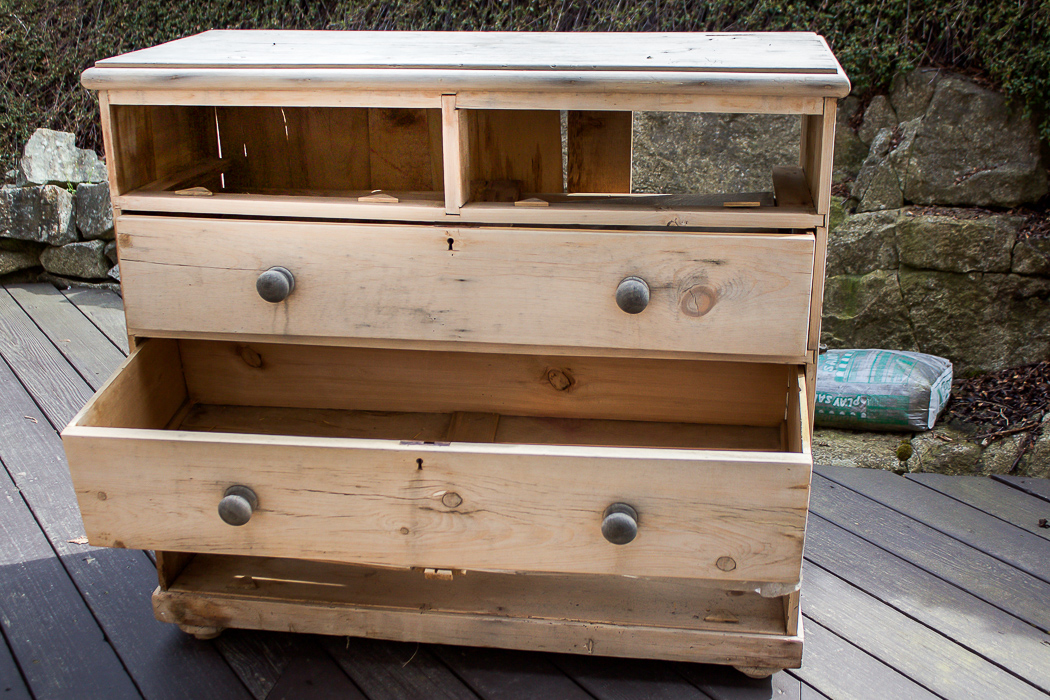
(438, 397)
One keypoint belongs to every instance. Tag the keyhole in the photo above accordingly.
(450, 242)
(419, 464)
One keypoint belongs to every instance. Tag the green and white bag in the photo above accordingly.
(881, 389)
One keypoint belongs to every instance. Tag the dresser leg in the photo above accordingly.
(758, 671)
(202, 632)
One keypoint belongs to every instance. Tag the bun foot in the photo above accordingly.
(758, 671)
(201, 632)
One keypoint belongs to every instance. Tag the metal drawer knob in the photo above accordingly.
(632, 295)
(275, 284)
(237, 505)
(620, 523)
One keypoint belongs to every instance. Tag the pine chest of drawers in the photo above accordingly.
(412, 361)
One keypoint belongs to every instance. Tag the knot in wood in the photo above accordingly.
(560, 379)
(250, 357)
(697, 300)
(451, 499)
(726, 563)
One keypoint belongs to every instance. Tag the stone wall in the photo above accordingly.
(925, 253)
(55, 214)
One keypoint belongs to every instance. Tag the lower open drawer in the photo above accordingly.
(448, 460)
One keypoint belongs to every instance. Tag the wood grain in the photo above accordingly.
(494, 286)
(381, 502)
(726, 393)
(599, 151)
(520, 145)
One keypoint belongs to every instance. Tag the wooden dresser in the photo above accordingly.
(410, 360)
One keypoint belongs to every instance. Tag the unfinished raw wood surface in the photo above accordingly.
(599, 151)
(478, 427)
(747, 294)
(610, 599)
(762, 52)
(679, 211)
(520, 145)
(623, 389)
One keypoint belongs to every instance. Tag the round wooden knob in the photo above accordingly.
(620, 523)
(237, 505)
(275, 284)
(632, 295)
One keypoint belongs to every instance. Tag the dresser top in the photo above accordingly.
(787, 52)
(793, 61)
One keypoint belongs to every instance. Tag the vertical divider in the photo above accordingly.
(456, 154)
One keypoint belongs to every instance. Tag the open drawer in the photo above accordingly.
(451, 460)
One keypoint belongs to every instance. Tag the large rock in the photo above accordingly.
(973, 149)
(866, 311)
(981, 321)
(846, 448)
(1032, 256)
(679, 152)
(53, 157)
(999, 456)
(850, 150)
(94, 211)
(912, 91)
(18, 255)
(958, 240)
(878, 116)
(1037, 461)
(957, 143)
(944, 451)
(863, 243)
(84, 259)
(879, 184)
(41, 214)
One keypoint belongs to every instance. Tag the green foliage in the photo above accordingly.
(45, 44)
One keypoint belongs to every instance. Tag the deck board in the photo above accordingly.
(840, 669)
(496, 674)
(992, 497)
(105, 309)
(116, 584)
(607, 678)
(1040, 488)
(969, 525)
(79, 340)
(12, 684)
(918, 587)
(392, 670)
(928, 658)
(44, 617)
(981, 627)
(995, 582)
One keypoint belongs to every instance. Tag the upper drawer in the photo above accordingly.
(513, 287)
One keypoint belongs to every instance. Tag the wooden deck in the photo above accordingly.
(918, 587)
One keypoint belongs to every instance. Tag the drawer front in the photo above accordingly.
(707, 293)
(458, 506)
